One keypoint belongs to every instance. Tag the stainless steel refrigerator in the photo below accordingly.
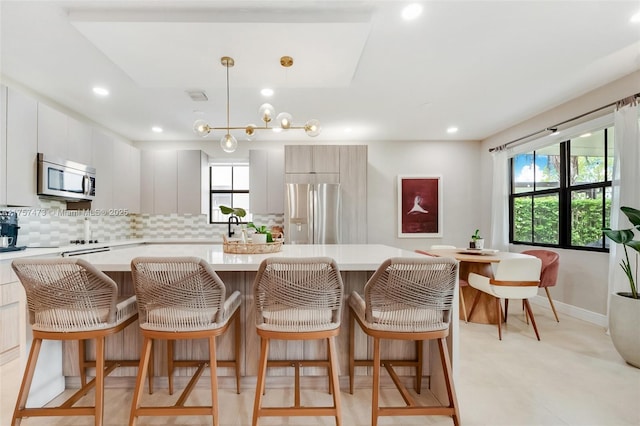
(313, 213)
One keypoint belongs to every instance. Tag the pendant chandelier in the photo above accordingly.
(266, 111)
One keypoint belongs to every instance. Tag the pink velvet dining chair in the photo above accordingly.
(549, 274)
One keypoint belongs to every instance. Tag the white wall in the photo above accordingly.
(582, 281)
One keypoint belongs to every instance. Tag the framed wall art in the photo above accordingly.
(419, 206)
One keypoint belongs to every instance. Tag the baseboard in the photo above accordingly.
(572, 311)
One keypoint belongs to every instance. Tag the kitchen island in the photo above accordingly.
(356, 263)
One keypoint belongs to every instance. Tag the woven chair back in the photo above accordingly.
(177, 293)
(412, 293)
(298, 294)
(67, 294)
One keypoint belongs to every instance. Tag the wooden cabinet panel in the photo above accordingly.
(165, 183)
(353, 186)
(3, 145)
(22, 149)
(312, 158)
(52, 132)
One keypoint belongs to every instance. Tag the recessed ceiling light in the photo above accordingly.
(100, 91)
(452, 130)
(267, 92)
(411, 11)
(586, 135)
(635, 18)
(348, 129)
(156, 129)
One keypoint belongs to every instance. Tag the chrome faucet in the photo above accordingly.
(231, 220)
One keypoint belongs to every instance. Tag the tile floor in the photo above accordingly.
(572, 377)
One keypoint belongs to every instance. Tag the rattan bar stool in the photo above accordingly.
(69, 299)
(183, 298)
(406, 299)
(298, 299)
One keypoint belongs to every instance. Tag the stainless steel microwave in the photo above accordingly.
(65, 180)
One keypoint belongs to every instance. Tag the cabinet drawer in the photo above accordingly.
(10, 293)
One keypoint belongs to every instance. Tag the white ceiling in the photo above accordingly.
(479, 65)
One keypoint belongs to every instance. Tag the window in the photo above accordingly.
(229, 187)
(561, 194)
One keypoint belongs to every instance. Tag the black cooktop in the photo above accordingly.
(12, 248)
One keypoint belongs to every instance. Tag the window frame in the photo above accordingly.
(226, 191)
(564, 191)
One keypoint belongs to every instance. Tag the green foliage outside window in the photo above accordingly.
(585, 212)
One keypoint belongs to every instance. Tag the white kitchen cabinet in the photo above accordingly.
(165, 182)
(64, 137)
(22, 149)
(193, 177)
(266, 180)
(312, 158)
(174, 182)
(146, 181)
(11, 296)
(3, 145)
(103, 163)
(126, 177)
(52, 132)
(79, 146)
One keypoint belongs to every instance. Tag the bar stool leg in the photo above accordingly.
(99, 403)
(376, 382)
(170, 365)
(419, 351)
(262, 372)
(448, 379)
(213, 371)
(333, 362)
(26, 380)
(352, 364)
(82, 362)
(144, 365)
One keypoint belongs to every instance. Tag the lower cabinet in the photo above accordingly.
(11, 296)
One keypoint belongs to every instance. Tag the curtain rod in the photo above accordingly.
(554, 127)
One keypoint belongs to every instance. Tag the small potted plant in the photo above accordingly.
(624, 307)
(262, 230)
(477, 242)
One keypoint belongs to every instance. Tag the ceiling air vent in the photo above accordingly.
(197, 95)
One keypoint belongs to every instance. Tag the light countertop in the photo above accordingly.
(349, 257)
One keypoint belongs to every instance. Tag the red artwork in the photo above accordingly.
(419, 206)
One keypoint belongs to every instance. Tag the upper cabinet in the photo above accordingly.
(22, 149)
(3, 145)
(173, 182)
(266, 180)
(104, 165)
(312, 159)
(126, 177)
(62, 136)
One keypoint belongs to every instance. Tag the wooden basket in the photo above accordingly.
(237, 247)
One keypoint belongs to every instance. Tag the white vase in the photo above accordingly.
(624, 327)
(259, 238)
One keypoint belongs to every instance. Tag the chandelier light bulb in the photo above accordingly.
(250, 131)
(228, 143)
(201, 128)
(312, 127)
(266, 112)
(284, 119)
